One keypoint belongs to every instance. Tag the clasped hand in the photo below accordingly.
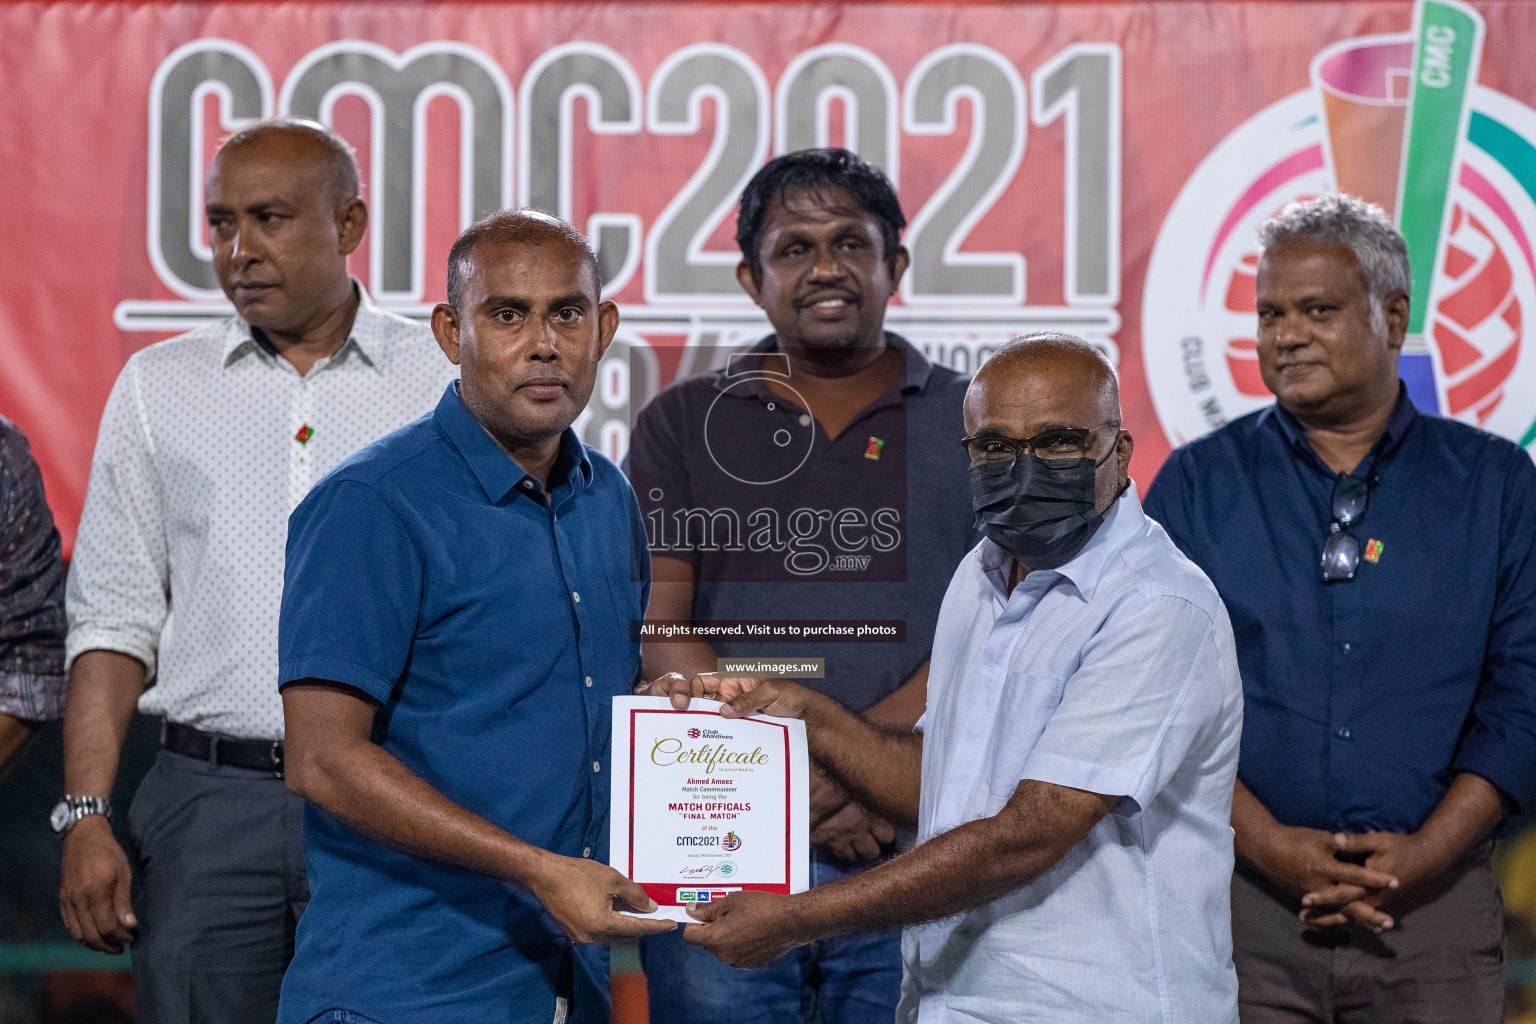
(1406, 861)
(1341, 888)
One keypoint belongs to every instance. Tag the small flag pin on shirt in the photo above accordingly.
(874, 448)
(305, 433)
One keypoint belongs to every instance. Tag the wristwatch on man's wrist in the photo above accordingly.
(71, 809)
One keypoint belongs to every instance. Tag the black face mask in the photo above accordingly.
(1040, 511)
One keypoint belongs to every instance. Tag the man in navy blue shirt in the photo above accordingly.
(455, 624)
(1378, 567)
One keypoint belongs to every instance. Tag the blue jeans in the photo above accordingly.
(342, 1017)
(855, 979)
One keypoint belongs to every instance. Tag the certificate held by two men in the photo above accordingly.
(704, 806)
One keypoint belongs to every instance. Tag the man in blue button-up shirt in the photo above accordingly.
(1377, 564)
(455, 625)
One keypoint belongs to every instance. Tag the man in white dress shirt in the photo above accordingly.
(207, 443)
(1076, 758)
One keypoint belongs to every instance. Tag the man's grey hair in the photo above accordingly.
(1364, 228)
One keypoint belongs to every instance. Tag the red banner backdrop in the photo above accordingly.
(1098, 168)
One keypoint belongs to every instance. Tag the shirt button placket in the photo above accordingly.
(583, 655)
(298, 451)
(1344, 695)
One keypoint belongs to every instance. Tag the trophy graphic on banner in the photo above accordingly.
(1396, 110)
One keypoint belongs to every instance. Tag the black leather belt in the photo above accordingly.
(257, 755)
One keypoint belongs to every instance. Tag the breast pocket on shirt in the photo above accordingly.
(624, 595)
(1027, 703)
(626, 610)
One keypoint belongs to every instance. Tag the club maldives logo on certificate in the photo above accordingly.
(704, 806)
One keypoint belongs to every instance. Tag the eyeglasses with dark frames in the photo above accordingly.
(1062, 444)
(1341, 550)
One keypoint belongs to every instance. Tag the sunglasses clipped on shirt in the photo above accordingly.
(1341, 549)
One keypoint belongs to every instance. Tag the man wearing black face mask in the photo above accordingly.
(1039, 500)
(1071, 779)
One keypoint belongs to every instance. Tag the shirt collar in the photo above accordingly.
(1404, 412)
(367, 338)
(918, 367)
(1124, 520)
(1403, 415)
(498, 474)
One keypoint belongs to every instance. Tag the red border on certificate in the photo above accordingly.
(625, 837)
(665, 893)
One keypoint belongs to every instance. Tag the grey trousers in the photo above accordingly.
(219, 859)
(1442, 962)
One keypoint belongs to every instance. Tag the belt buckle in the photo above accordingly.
(277, 758)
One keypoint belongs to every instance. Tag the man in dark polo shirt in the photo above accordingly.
(1379, 567)
(817, 477)
(455, 624)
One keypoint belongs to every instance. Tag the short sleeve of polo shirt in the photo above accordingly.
(1149, 684)
(655, 463)
(351, 591)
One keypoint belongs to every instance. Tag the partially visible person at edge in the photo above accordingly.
(456, 623)
(834, 417)
(1377, 564)
(207, 443)
(1076, 757)
(31, 601)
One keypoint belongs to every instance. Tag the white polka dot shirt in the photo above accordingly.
(208, 442)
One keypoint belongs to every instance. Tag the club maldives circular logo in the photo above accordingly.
(694, 734)
(1468, 210)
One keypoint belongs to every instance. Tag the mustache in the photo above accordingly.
(810, 300)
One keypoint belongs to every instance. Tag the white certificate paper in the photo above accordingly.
(704, 805)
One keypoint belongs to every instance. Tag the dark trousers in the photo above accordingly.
(1441, 963)
(220, 885)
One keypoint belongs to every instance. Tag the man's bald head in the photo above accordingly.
(283, 218)
(1047, 386)
(515, 227)
(296, 139)
(1066, 357)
